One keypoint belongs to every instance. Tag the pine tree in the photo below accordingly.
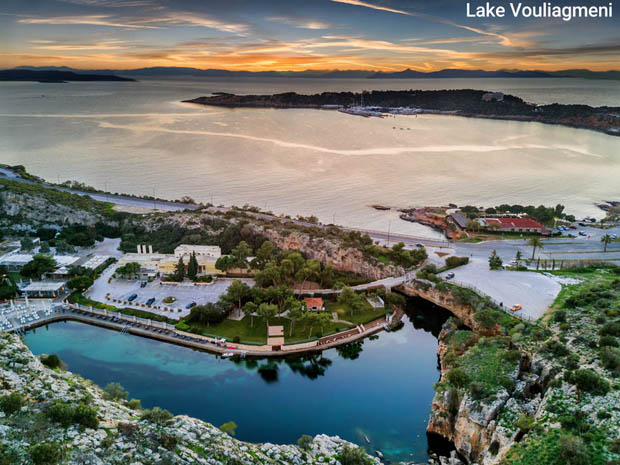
(179, 273)
(192, 267)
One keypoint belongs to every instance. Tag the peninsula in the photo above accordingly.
(465, 102)
(56, 76)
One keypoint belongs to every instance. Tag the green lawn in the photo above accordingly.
(258, 332)
(367, 315)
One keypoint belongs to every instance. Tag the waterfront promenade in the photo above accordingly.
(41, 314)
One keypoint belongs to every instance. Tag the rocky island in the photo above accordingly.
(466, 102)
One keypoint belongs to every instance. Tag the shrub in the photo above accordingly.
(114, 391)
(305, 442)
(353, 456)
(51, 361)
(487, 318)
(610, 357)
(494, 448)
(609, 341)
(45, 453)
(85, 416)
(507, 383)
(11, 403)
(453, 262)
(168, 441)
(157, 415)
(556, 348)
(588, 381)
(458, 378)
(134, 404)
(478, 390)
(525, 423)
(61, 412)
(559, 316)
(611, 329)
(572, 450)
(512, 356)
(229, 428)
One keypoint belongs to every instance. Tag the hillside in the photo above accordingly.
(56, 76)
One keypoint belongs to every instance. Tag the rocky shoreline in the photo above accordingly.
(122, 435)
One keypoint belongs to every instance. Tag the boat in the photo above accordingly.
(379, 454)
(366, 438)
(227, 354)
(380, 207)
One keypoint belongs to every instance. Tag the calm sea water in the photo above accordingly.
(385, 393)
(138, 138)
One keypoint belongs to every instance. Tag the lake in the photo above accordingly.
(385, 393)
(138, 138)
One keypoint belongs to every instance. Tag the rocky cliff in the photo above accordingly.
(119, 435)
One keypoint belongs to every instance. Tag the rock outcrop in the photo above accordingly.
(123, 435)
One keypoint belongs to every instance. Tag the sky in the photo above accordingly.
(297, 35)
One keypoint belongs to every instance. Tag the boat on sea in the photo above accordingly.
(366, 438)
(380, 207)
(227, 354)
(379, 454)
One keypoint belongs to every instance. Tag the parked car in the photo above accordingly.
(572, 226)
(190, 305)
(614, 236)
(419, 246)
(143, 284)
(450, 275)
(516, 308)
(150, 301)
(583, 233)
(582, 224)
(132, 297)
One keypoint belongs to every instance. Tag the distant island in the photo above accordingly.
(177, 71)
(55, 76)
(465, 102)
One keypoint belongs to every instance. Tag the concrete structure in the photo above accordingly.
(43, 289)
(314, 304)
(275, 337)
(505, 224)
(16, 261)
(152, 264)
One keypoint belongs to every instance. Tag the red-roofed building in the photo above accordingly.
(314, 304)
(525, 225)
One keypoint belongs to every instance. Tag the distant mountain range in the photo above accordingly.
(55, 76)
(323, 74)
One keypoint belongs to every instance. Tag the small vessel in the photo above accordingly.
(366, 438)
(227, 354)
(379, 454)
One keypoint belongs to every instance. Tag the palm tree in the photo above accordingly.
(606, 239)
(535, 242)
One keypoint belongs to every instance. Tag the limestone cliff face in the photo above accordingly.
(123, 435)
(36, 210)
(331, 253)
(484, 431)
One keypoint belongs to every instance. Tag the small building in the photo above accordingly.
(314, 304)
(376, 302)
(523, 225)
(43, 289)
(459, 219)
(16, 261)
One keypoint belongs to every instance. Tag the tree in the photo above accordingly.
(45, 453)
(310, 319)
(38, 266)
(63, 248)
(518, 256)
(238, 291)
(128, 269)
(192, 267)
(606, 239)
(495, 263)
(207, 314)
(295, 313)
(11, 403)
(267, 311)
(80, 283)
(27, 243)
(45, 247)
(309, 270)
(240, 255)
(264, 254)
(270, 274)
(305, 442)
(179, 272)
(323, 320)
(535, 243)
(347, 296)
(249, 309)
(225, 263)
(114, 391)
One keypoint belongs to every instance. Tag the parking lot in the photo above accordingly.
(185, 293)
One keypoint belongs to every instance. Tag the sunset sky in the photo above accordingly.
(296, 35)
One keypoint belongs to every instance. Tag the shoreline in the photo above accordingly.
(208, 344)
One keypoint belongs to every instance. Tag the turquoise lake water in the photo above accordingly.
(385, 393)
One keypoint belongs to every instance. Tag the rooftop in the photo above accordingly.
(275, 331)
(515, 222)
(313, 301)
(44, 286)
